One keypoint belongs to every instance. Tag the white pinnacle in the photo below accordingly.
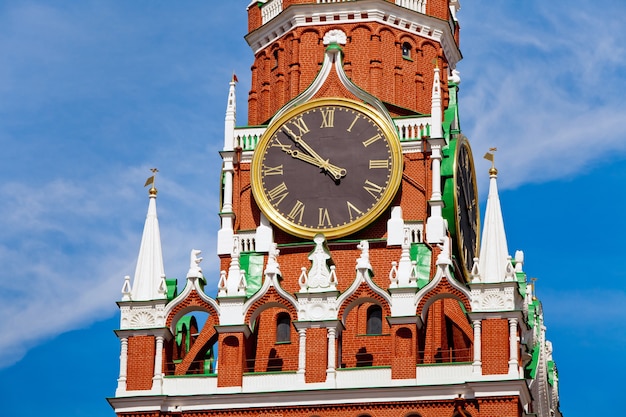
(149, 271)
(494, 251)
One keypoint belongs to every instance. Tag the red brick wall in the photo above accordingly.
(360, 349)
(495, 346)
(316, 355)
(404, 351)
(141, 351)
(231, 360)
(502, 406)
(271, 355)
(484, 407)
(372, 59)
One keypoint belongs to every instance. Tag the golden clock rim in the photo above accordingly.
(463, 141)
(339, 231)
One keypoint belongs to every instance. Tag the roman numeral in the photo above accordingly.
(298, 122)
(372, 140)
(379, 163)
(354, 122)
(277, 170)
(296, 211)
(324, 218)
(352, 210)
(278, 193)
(328, 117)
(373, 189)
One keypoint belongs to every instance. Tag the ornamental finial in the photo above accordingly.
(490, 157)
(150, 180)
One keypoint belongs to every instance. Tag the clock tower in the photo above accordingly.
(353, 281)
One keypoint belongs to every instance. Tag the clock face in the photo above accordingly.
(329, 166)
(467, 216)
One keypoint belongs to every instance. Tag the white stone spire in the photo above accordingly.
(436, 130)
(435, 224)
(149, 273)
(231, 116)
(494, 252)
(225, 234)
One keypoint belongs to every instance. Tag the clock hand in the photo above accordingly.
(335, 171)
(324, 164)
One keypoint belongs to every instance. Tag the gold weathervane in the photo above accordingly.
(151, 179)
(491, 157)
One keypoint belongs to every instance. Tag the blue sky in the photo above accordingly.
(94, 93)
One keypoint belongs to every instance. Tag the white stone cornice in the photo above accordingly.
(383, 12)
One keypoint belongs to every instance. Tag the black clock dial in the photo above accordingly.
(330, 166)
(466, 205)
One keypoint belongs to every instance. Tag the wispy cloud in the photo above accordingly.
(547, 99)
(92, 96)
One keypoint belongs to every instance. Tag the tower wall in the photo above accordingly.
(373, 59)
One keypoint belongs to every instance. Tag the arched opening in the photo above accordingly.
(193, 349)
(447, 335)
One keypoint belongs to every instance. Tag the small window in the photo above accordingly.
(283, 328)
(374, 320)
(406, 50)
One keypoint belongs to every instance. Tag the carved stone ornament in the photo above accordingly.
(493, 299)
(335, 36)
(313, 308)
(144, 317)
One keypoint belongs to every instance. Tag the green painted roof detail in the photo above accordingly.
(551, 372)
(422, 254)
(447, 179)
(451, 114)
(521, 281)
(531, 315)
(252, 263)
(172, 288)
(531, 368)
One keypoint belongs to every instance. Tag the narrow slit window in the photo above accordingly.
(283, 328)
(374, 320)
(406, 50)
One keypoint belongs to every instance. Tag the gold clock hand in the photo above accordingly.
(335, 171)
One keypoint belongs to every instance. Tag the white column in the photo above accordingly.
(436, 167)
(227, 205)
(435, 224)
(225, 234)
(121, 381)
(332, 353)
(157, 379)
(513, 361)
(477, 365)
(302, 351)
